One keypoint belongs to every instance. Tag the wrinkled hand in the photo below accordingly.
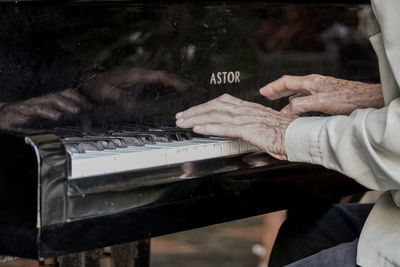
(324, 94)
(233, 117)
(53, 107)
(116, 86)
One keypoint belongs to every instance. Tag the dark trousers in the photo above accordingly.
(324, 237)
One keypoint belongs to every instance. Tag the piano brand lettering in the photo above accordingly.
(225, 77)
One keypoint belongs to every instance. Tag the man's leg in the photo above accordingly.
(307, 232)
(343, 255)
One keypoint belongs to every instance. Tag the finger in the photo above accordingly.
(45, 112)
(320, 103)
(61, 103)
(230, 112)
(223, 103)
(297, 95)
(213, 106)
(286, 86)
(225, 130)
(79, 99)
(218, 117)
(206, 118)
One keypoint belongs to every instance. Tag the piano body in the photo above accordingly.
(120, 171)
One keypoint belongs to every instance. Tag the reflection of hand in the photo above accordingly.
(324, 94)
(114, 87)
(52, 107)
(232, 117)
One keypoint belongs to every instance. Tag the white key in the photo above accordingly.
(154, 155)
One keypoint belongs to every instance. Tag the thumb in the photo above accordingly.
(304, 104)
(286, 86)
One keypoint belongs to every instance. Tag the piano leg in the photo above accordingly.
(89, 258)
(134, 254)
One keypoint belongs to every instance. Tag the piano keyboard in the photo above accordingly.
(94, 155)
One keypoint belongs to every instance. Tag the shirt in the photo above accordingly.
(365, 145)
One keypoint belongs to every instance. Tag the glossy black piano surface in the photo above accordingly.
(106, 76)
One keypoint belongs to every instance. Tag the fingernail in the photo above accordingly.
(180, 120)
(178, 115)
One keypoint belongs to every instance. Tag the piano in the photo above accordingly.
(90, 155)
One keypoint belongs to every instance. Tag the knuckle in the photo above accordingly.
(213, 115)
(258, 126)
(312, 81)
(230, 116)
(315, 78)
(290, 107)
(285, 80)
(240, 119)
(294, 103)
(223, 97)
(321, 98)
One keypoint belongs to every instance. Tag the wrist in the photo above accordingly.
(286, 124)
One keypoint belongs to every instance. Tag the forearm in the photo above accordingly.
(353, 94)
(364, 145)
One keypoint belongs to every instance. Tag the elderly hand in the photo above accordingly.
(233, 117)
(52, 107)
(324, 94)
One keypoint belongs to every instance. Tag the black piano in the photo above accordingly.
(90, 155)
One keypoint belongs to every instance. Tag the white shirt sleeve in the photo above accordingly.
(364, 145)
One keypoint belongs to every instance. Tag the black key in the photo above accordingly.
(74, 148)
(106, 144)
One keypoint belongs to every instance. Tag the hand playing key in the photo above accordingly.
(232, 117)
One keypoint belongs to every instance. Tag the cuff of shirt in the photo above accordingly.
(302, 139)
